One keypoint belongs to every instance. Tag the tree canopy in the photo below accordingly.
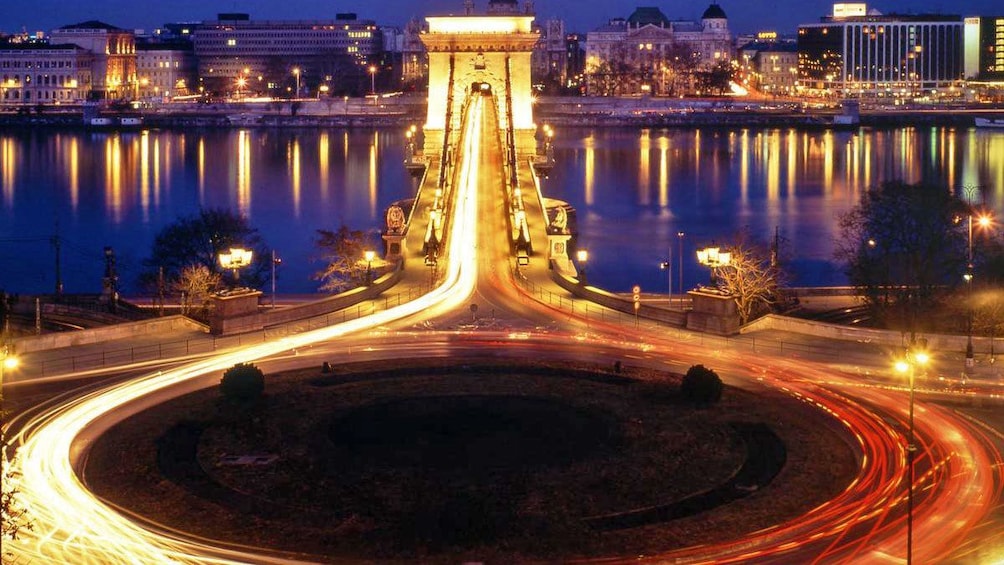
(342, 254)
(904, 248)
(198, 240)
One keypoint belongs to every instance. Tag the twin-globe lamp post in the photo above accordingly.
(236, 259)
(908, 365)
(713, 257)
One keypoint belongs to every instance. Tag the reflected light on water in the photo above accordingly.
(201, 169)
(113, 178)
(144, 174)
(663, 171)
(644, 154)
(244, 173)
(73, 164)
(374, 167)
(590, 172)
(323, 165)
(8, 158)
(293, 158)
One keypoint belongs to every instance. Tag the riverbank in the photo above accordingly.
(394, 111)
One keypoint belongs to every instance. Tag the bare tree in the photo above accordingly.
(988, 314)
(13, 516)
(751, 278)
(196, 284)
(342, 252)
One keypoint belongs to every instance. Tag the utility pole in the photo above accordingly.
(110, 281)
(59, 273)
(160, 291)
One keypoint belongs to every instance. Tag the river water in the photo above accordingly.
(633, 189)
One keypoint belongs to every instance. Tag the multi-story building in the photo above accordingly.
(113, 68)
(770, 64)
(414, 64)
(648, 53)
(235, 53)
(984, 48)
(549, 60)
(36, 73)
(856, 51)
(165, 69)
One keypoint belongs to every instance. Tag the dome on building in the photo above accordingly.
(648, 16)
(714, 12)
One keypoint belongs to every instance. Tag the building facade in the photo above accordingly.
(984, 48)
(861, 52)
(649, 54)
(32, 74)
(113, 69)
(770, 65)
(165, 69)
(237, 53)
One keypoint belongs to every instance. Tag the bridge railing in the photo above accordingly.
(800, 347)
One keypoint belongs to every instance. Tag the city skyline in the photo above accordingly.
(782, 16)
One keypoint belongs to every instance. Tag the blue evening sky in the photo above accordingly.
(579, 15)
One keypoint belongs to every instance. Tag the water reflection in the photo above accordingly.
(119, 189)
(634, 190)
(800, 181)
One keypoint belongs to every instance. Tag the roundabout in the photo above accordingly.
(478, 460)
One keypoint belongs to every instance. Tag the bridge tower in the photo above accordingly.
(480, 51)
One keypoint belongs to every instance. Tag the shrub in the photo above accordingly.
(701, 385)
(243, 381)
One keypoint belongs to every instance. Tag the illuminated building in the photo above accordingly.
(36, 73)
(165, 69)
(984, 47)
(770, 64)
(856, 51)
(648, 53)
(235, 47)
(113, 69)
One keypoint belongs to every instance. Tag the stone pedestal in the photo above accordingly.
(713, 312)
(232, 304)
(395, 246)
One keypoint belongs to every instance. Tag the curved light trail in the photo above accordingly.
(72, 526)
(958, 469)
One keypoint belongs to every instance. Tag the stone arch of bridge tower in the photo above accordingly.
(462, 85)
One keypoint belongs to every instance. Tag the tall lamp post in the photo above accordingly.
(236, 259)
(908, 365)
(679, 255)
(583, 256)
(368, 255)
(276, 261)
(667, 266)
(373, 71)
(713, 258)
(296, 73)
(982, 221)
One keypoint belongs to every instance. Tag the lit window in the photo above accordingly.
(231, 42)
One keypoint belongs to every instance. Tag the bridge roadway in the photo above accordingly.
(864, 524)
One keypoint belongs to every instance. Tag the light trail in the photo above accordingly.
(70, 525)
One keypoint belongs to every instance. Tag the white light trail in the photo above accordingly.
(72, 526)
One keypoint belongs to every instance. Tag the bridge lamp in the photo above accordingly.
(368, 255)
(236, 259)
(582, 256)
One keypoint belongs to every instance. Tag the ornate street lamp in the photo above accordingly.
(296, 73)
(235, 260)
(373, 71)
(982, 221)
(713, 258)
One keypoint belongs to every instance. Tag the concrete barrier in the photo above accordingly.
(892, 338)
(107, 333)
(617, 302)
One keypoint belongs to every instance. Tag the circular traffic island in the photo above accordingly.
(480, 461)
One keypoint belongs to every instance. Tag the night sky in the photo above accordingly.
(579, 15)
